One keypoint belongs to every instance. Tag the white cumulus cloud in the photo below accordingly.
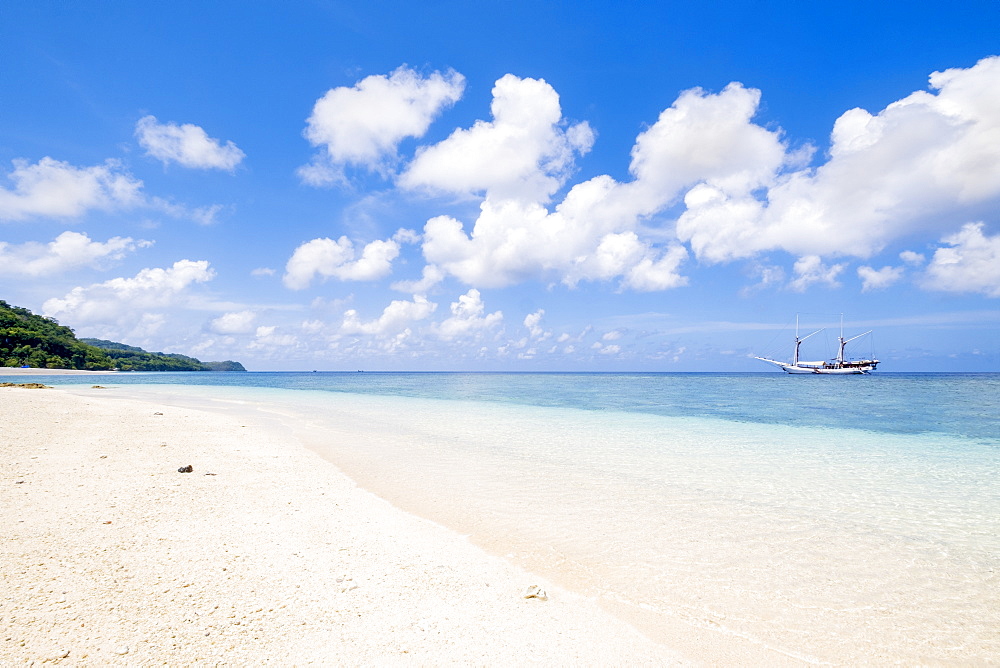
(395, 319)
(915, 166)
(970, 263)
(532, 322)
(524, 152)
(119, 298)
(327, 258)
(520, 159)
(656, 272)
(362, 125)
(69, 250)
(709, 138)
(878, 279)
(513, 241)
(235, 322)
(911, 168)
(188, 145)
(54, 189)
(810, 270)
(267, 338)
(468, 318)
(430, 276)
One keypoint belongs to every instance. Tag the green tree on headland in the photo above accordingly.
(32, 340)
(27, 339)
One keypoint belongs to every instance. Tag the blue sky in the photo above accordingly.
(506, 186)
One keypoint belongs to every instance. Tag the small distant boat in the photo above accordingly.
(838, 365)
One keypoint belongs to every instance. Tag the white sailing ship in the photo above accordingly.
(838, 365)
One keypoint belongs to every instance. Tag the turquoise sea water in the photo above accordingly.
(961, 404)
(851, 520)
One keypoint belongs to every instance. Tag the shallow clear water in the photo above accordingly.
(961, 404)
(840, 519)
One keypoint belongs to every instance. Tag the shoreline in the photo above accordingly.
(20, 371)
(266, 552)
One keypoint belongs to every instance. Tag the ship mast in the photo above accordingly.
(798, 341)
(843, 344)
(840, 351)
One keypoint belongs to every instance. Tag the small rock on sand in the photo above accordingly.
(534, 591)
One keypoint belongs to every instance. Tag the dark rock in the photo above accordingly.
(185, 469)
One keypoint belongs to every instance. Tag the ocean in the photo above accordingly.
(834, 519)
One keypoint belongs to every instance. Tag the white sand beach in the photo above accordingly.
(264, 553)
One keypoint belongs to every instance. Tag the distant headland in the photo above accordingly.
(29, 340)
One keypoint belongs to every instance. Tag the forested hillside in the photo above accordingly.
(130, 358)
(32, 340)
(27, 339)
